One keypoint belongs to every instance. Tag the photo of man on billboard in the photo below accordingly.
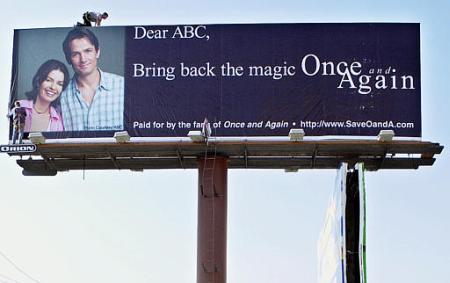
(93, 99)
(74, 99)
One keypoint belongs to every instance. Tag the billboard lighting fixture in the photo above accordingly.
(196, 136)
(291, 170)
(386, 135)
(122, 137)
(296, 134)
(36, 138)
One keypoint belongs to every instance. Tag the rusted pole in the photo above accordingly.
(212, 220)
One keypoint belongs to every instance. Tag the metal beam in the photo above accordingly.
(252, 154)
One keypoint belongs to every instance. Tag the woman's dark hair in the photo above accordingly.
(42, 74)
(77, 33)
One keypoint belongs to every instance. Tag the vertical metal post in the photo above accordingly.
(212, 220)
(352, 227)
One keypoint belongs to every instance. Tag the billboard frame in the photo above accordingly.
(243, 153)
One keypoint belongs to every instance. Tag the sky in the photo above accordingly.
(122, 226)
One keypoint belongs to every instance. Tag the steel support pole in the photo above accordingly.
(212, 220)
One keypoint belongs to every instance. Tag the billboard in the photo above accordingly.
(246, 79)
(331, 244)
(341, 248)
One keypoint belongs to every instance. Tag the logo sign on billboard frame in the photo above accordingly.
(18, 148)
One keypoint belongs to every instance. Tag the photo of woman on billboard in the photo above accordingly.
(43, 106)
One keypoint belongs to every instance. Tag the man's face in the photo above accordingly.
(83, 56)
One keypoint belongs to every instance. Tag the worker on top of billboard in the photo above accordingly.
(93, 17)
(93, 100)
(43, 110)
(18, 114)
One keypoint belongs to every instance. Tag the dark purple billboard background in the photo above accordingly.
(247, 79)
(251, 80)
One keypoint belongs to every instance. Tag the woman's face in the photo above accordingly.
(51, 87)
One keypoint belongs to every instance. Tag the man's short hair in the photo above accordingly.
(77, 33)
